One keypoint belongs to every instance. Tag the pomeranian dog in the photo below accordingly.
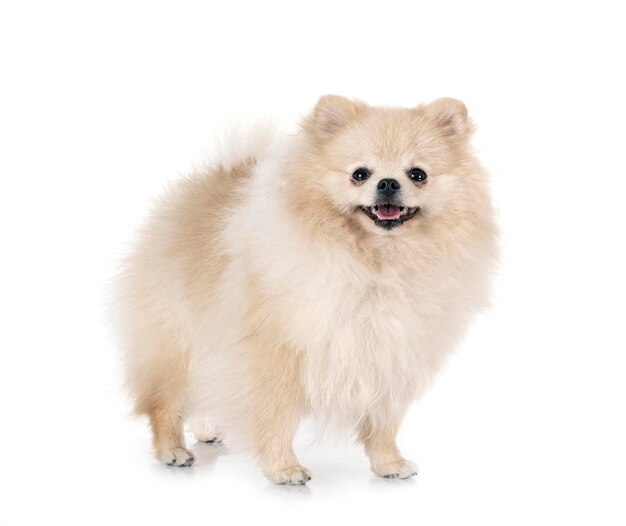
(324, 273)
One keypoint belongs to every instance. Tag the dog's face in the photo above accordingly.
(388, 169)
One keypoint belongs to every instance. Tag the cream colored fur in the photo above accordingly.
(258, 293)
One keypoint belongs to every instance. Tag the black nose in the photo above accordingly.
(388, 187)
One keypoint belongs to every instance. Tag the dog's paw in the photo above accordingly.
(399, 469)
(210, 440)
(178, 457)
(292, 475)
(205, 432)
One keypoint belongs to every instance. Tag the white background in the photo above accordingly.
(102, 103)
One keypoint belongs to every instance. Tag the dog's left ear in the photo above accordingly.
(451, 117)
(331, 113)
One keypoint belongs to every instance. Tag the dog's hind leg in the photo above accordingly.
(161, 385)
(168, 437)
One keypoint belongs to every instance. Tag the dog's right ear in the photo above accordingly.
(331, 113)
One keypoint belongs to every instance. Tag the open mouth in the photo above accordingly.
(388, 215)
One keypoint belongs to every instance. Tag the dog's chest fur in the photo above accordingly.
(366, 337)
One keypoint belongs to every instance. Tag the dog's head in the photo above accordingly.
(386, 169)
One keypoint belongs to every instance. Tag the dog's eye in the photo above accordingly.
(417, 174)
(360, 174)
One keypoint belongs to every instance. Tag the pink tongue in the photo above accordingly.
(388, 212)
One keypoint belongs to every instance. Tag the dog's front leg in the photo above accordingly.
(379, 440)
